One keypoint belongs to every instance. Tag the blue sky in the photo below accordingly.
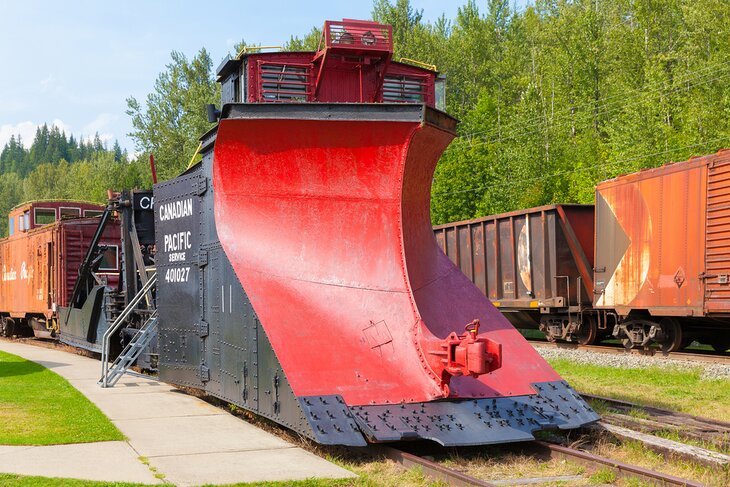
(74, 63)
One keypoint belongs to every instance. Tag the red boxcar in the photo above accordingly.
(40, 260)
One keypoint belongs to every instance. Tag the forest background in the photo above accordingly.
(552, 99)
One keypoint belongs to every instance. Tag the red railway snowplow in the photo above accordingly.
(328, 229)
(319, 297)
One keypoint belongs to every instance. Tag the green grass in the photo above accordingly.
(39, 407)
(678, 390)
(12, 480)
(603, 476)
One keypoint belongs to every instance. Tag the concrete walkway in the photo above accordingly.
(185, 438)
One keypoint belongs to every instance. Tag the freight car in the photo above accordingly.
(663, 253)
(661, 242)
(70, 268)
(40, 258)
(535, 265)
(299, 277)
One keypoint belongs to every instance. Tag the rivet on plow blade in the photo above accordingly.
(466, 354)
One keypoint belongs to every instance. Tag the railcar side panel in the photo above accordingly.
(25, 282)
(717, 236)
(40, 267)
(530, 259)
(650, 241)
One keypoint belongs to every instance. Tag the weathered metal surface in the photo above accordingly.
(622, 469)
(40, 265)
(209, 335)
(530, 259)
(330, 75)
(661, 243)
(93, 307)
(717, 236)
(552, 405)
(353, 290)
(84, 327)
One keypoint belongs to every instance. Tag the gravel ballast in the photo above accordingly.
(709, 371)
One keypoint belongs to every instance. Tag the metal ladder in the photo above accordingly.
(110, 374)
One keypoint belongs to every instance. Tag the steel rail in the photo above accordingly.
(438, 472)
(655, 411)
(431, 469)
(620, 468)
(609, 349)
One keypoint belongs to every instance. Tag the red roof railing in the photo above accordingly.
(357, 35)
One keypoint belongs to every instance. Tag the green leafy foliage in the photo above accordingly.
(565, 94)
(552, 99)
(173, 118)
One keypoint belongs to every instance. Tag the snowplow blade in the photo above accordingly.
(324, 212)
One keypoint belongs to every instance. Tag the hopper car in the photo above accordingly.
(298, 274)
(648, 264)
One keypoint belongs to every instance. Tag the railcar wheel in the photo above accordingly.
(587, 332)
(671, 339)
(7, 327)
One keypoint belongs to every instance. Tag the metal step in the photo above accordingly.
(131, 352)
(110, 374)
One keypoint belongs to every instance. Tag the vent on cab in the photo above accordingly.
(285, 82)
(404, 89)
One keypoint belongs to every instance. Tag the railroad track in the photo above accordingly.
(653, 419)
(592, 462)
(706, 357)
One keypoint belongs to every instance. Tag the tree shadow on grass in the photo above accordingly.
(10, 369)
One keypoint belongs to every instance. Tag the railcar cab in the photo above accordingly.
(29, 216)
(353, 64)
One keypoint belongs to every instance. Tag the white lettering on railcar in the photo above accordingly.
(176, 209)
(176, 257)
(26, 273)
(146, 202)
(178, 241)
(9, 275)
(177, 274)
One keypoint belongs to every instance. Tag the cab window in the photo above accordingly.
(24, 221)
(44, 216)
(110, 258)
(11, 226)
(67, 213)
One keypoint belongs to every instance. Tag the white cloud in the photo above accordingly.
(63, 127)
(26, 130)
(101, 122)
(105, 138)
(98, 126)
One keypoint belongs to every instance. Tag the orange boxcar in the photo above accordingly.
(40, 259)
(663, 248)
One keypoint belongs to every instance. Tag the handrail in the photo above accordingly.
(115, 373)
(117, 324)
